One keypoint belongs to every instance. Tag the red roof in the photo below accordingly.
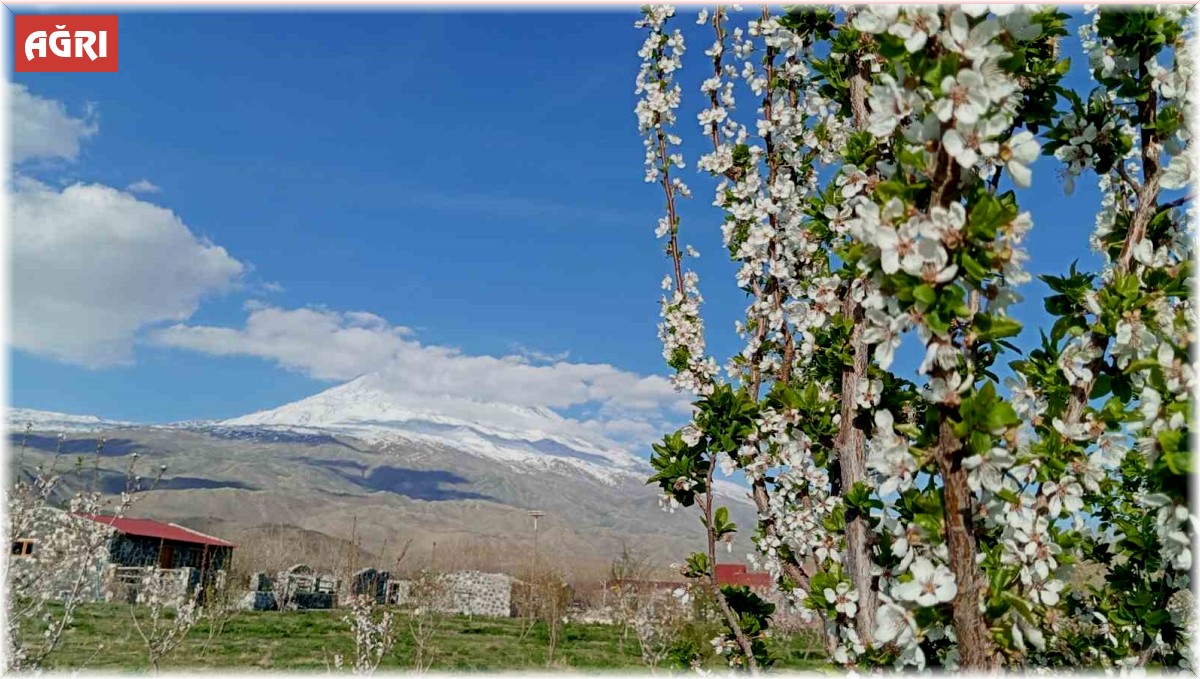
(735, 574)
(154, 529)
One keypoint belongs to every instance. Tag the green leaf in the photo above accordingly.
(925, 294)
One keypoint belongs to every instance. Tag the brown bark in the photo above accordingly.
(851, 439)
(975, 647)
(852, 462)
(977, 651)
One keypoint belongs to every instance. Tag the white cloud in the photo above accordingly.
(332, 345)
(537, 356)
(323, 344)
(143, 186)
(93, 266)
(42, 128)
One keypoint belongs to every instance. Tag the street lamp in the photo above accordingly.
(536, 514)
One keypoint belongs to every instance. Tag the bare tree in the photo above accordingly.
(543, 595)
(220, 606)
(425, 601)
(657, 622)
(627, 589)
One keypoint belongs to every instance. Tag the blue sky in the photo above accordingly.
(473, 179)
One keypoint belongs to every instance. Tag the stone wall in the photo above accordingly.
(30, 573)
(458, 593)
(257, 601)
(465, 593)
(142, 584)
(476, 593)
(58, 569)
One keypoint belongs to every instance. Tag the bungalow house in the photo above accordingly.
(142, 542)
(136, 545)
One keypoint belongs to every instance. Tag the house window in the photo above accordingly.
(22, 547)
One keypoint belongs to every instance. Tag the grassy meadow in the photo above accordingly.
(104, 638)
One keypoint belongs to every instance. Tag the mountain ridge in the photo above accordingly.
(365, 409)
(436, 493)
(522, 440)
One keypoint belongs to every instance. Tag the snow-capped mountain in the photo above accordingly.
(367, 409)
(391, 466)
(524, 439)
(44, 420)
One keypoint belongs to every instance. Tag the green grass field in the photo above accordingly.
(308, 640)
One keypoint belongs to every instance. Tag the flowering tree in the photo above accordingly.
(68, 553)
(374, 634)
(934, 518)
(163, 613)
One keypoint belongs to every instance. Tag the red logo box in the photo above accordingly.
(62, 43)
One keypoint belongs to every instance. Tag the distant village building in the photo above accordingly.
(139, 546)
(736, 574)
(302, 587)
(142, 542)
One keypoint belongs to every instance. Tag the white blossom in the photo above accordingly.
(930, 584)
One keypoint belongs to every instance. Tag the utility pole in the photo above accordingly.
(536, 514)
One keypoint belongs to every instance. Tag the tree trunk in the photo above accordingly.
(851, 459)
(975, 647)
(850, 440)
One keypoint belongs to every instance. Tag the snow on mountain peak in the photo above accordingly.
(368, 408)
(524, 438)
(46, 420)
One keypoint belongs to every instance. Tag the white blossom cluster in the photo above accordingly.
(682, 330)
(969, 116)
(1147, 340)
(374, 635)
(764, 199)
(800, 506)
(922, 555)
(1159, 335)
